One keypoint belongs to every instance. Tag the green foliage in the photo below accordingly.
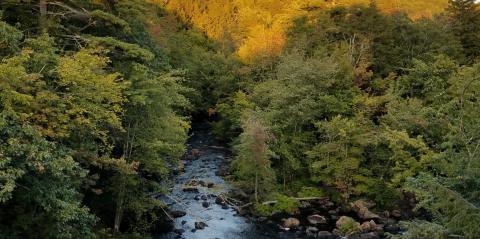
(418, 229)
(39, 187)
(10, 38)
(451, 209)
(310, 192)
(90, 121)
(338, 158)
(350, 102)
(283, 204)
(252, 164)
(465, 22)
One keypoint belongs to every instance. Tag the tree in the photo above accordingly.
(338, 160)
(252, 164)
(465, 23)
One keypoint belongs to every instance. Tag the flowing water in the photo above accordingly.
(223, 223)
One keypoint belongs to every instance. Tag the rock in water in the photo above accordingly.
(177, 214)
(205, 204)
(200, 225)
(312, 231)
(195, 153)
(291, 223)
(179, 231)
(325, 235)
(370, 235)
(362, 208)
(371, 226)
(316, 219)
(347, 225)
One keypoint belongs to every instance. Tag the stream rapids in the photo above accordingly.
(222, 222)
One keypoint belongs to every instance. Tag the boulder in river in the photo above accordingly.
(291, 223)
(223, 171)
(195, 153)
(325, 235)
(179, 231)
(362, 208)
(347, 225)
(219, 200)
(177, 213)
(370, 235)
(200, 225)
(312, 232)
(316, 219)
(371, 226)
(205, 204)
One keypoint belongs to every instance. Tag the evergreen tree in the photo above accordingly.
(465, 22)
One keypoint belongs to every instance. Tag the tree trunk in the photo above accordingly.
(256, 186)
(119, 210)
(42, 20)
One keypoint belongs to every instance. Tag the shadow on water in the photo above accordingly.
(222, 222)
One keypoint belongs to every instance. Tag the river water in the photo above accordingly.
(223, 223)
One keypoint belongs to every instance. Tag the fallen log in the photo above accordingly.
(298, 199)
(275, 201)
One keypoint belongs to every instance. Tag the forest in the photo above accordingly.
(345, 100)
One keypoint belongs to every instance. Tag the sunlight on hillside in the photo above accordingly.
(257, 28)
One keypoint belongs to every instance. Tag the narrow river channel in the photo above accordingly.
(200, 206)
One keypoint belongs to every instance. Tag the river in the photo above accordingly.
(222, 222)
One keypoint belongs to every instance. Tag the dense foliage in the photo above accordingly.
(361, 104)
(316, 99)
(91, 119)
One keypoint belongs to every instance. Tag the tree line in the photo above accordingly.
(363, 104)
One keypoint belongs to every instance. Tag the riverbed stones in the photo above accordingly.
(370, 235)
(200, 225)
(205, 204)
(325, 235)
(204, 197)
(291, 223)
(371, 226)
(312, 231)
(177, 213)
(179, 231)
(316, 219)
(362, 208)
(220, 201)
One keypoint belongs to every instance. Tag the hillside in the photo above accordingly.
(256, 29)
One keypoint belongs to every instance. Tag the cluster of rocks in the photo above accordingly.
(357, 223)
